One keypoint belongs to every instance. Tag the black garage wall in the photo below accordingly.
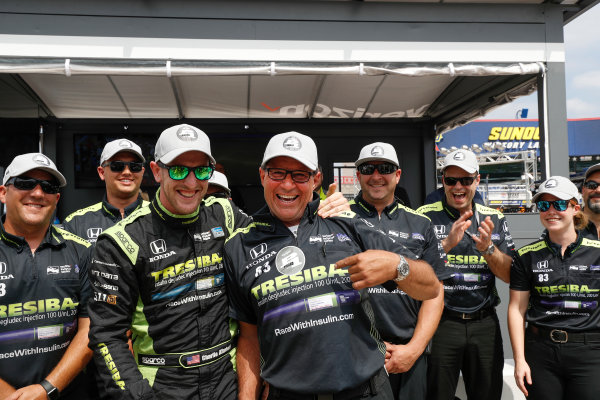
(239, 146)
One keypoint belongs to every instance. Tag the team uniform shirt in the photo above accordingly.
(42, 295)
(590, 231)
(91, 221)
(396, 313)
(316, 333)
(472, 286)
(161, 275)
(564, 290)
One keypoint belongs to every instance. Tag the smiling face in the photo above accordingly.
(378, 189)
(558, 222)
(458, 196)
(287, 199)
(28, 211)
(591, 198)
(181, 197)
(122, 185)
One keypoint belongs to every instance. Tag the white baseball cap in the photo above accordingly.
(294, 145)
(378, 151)
(560, 187)
(179, 139)
(463, 159)
(119, 145)
(30, 161)
(591, 170)
(219, 179)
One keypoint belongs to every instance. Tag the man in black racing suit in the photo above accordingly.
(159, 273)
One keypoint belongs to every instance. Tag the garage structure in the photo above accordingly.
(74, 75)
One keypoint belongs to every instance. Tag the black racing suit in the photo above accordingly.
(41, 298)
(317, 334)
(90, 222)
(161, 275)
(562, 341)
(396, 313)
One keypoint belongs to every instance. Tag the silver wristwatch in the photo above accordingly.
(402, 270)
(490, 250)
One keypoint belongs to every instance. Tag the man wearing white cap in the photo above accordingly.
(218, 186)
(159, 273)
(306, 325)
(44, 289)
(122, 169)
(406, 325)
(590, 190)
(479, 248)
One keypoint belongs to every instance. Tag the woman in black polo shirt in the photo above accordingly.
(555, 287)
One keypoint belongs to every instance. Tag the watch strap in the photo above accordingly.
(51, 390)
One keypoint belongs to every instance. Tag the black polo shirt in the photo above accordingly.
(564, 290)
(396, 313)
(316, 333)
(41, 297)
(90, 222)
(473, 285)
(590, 231)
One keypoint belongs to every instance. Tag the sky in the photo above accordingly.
(582, 68)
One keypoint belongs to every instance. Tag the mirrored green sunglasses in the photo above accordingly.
(180, 172)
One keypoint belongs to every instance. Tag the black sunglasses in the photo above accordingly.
(180, 172)
(465, 180)
(383, 169)
(119, 166)
(48, 187)
(559, 205)
(592, 185)
(298, 176)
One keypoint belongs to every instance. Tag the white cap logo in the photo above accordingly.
(459, 156)
(377, 151)
(292, 143)
(187, 133)
(552, 183)
(126, 144)
(41, 159)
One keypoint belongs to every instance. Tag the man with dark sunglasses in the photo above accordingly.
(406, 325)
(159, 273)
(590, 191)
(44, 289)
(122, 169)
(479, 248)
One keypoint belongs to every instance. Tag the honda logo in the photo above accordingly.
(439, 229)
(542, 264)
(2, 267)
(158, 246)
(258, 250)
(93, 233)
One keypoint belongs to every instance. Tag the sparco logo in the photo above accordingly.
(292, 143)
(258, 251)
(377, 151)
(439, 229)
(158, 246)
(128, 247)
(93, 233)
(187, 133)
(153, 360)
(542, 264)
(2, 267)
(125, 144)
